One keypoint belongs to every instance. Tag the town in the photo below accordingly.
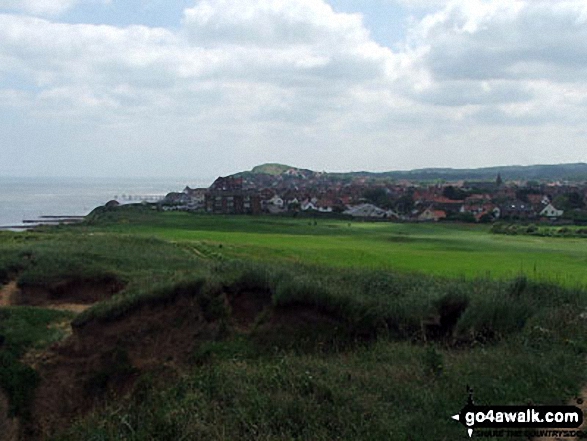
(276, 189)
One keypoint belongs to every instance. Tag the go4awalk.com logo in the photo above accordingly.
(515, 418)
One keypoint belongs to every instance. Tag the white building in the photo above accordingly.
(550, 212)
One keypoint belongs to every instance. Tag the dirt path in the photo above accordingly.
(8, 293)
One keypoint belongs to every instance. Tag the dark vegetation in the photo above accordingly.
(539, 230)
(195, 345)
(553, 172)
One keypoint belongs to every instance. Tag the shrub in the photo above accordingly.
(530, 229)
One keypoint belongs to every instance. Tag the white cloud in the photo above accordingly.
(505, 39)
(272, 23)
(43, 7)
(296, 79)
(326, 55)
(427, 5)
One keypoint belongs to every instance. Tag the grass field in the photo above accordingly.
(453, 250)
(341, 347)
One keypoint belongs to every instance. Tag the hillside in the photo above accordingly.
(270, 169)
(550, 172)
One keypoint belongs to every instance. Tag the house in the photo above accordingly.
(274, 205)
(196, 197)
(478, 209)
(265, 194)
(538, 199)
(276, 201)
(176, 198)
(292, 204)
(232, 202)
(228, 183)
(325, 205)
(370, 211)
(517, 210)
(432, 215)
(308, 205)
(447, 205)
(551, 212)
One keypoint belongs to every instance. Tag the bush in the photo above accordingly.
(530, 229)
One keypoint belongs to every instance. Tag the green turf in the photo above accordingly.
(452, 250)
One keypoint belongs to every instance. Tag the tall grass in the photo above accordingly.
(378, 392)
(412, 340)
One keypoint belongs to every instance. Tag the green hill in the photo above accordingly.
(270, 169)
(571, 172)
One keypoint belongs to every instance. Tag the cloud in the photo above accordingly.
(501, 63)
(421, 4)
(43, 7)
(305, 50)
(483, 40)
(288, 42)
(271, 23)
(299, 80)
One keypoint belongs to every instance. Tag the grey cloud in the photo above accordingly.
(542, 40)
(467, 92)
(296, 83)
(496, 116)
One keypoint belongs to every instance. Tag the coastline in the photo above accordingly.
(23, 198)
(29, 224)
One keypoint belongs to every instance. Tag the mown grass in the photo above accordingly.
(442, 249)
(366, 371)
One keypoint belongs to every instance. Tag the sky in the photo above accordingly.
(160, 88)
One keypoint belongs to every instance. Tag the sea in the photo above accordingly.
(28, 198)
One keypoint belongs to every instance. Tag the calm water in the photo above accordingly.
(29, 198)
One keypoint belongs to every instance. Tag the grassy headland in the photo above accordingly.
(286, 329)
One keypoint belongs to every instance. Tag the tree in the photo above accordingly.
(569, 201)
(456, 194)
(404, 204)
(378, 196)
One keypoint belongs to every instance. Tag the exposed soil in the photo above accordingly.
(63, 296)
(301, 316)
(8, 293)
(9, 427)
(440, 325)
(246, 306)
(101, 359)
(302, 327)
(69, 291)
